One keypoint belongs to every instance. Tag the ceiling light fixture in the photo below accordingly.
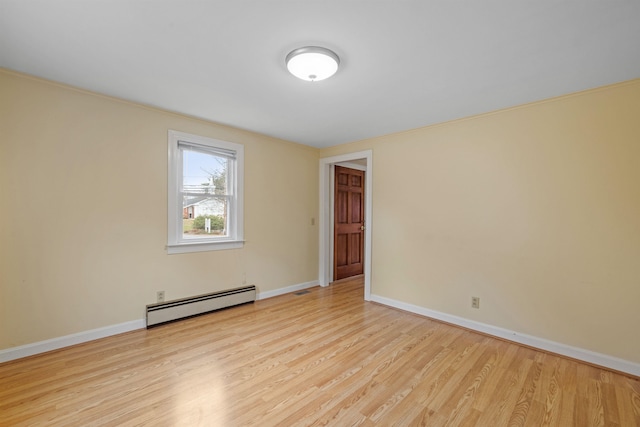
(312, 63)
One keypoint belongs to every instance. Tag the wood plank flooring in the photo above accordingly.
(325, 357)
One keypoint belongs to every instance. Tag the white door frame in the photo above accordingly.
(326, 216)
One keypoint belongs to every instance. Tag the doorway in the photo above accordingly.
(327, 189)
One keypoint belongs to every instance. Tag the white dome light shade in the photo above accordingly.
(312, 63)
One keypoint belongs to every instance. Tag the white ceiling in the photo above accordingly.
(404, 64)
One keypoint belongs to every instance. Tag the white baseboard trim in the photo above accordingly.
(13, 353)
(288, 289)
(588, 356)
(67, 340)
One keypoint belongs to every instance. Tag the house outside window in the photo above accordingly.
(205, 188)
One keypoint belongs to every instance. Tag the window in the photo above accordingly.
(205, 194)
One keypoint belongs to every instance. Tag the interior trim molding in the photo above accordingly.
(588, 356)
(69, 340)
(287, 290)
(325, 252)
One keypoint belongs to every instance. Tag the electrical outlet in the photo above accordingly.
(160, 296)
(475, 302)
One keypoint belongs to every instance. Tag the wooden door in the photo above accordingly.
(348, 234)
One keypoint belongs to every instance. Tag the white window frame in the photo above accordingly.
(176, 243)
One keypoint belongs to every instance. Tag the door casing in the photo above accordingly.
(325, 261)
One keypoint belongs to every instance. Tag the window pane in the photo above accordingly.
(204, 173)
(205, 205)
(204, 217)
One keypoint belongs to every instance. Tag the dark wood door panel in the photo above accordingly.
(349, 223)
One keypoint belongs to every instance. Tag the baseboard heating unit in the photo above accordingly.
(169, 311)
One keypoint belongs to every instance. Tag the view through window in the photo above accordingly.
(205, 194)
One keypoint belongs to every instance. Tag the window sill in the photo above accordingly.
(184, 248)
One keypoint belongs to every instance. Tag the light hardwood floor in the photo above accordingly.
(325, 357)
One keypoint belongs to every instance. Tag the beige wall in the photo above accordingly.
(535, 209)
(83, 215)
